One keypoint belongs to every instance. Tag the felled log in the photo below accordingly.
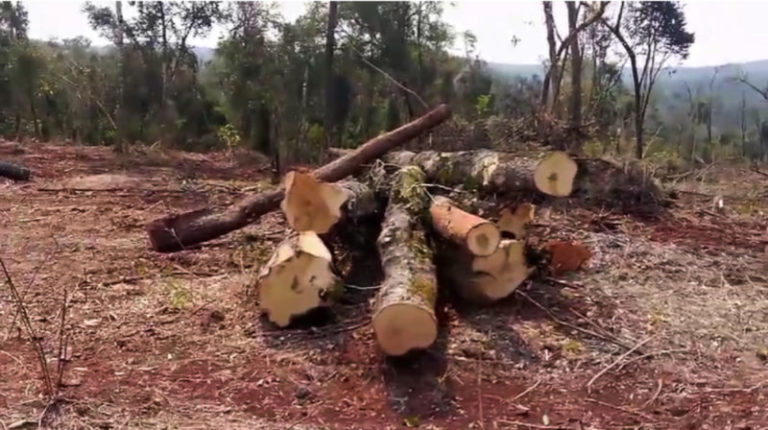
(484, 279)
(557, 174)
(477, 235)
(491, 171)
(14, 171)
(311, 205)
(404, 317)
(178, 231)
(297, 278)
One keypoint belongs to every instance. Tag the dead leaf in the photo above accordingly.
(92, 322)
(566, 256)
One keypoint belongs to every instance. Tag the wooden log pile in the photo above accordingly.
(431, 240)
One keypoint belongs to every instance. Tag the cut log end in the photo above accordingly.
(402, 327)
(311, 205)
(297, 279)
(499, 274)
(483, 239)
(555, 174)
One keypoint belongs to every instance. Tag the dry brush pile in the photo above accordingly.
(430, 234)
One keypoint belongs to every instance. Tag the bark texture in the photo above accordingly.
(178, 231)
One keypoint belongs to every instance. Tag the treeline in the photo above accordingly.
(345, 71)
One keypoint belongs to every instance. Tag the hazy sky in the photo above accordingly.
(726, 31)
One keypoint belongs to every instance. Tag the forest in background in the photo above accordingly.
(345, 71)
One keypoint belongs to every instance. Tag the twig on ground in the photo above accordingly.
(572, 326)
(620, 408)
(654, 397)
(530, 425)
(736, 390)
(651, 354)
(480, 394)
(356, 287)
(618, 360)
(563, 283)
(526, 391)
(30, 331)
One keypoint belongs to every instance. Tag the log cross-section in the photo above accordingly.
(404, 317)
(296, 279)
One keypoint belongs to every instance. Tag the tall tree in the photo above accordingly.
(575, 107)
(654, 33)
(330, 46)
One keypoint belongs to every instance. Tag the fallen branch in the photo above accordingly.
(618, 360)
(554, 318)
(33, 337)
(178, 231)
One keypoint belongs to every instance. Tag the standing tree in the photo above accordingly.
(330, 45)
(651, 33)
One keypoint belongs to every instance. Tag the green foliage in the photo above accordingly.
(483, 105)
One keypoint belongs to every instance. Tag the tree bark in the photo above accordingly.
(404, 317)
(178, 231)
(14, 171)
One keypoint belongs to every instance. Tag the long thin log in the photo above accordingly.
(404, 317)
(14, 171)
(178, 231)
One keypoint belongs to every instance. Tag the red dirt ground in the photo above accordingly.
(177, 341)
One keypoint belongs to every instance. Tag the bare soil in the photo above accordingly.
(177, 341)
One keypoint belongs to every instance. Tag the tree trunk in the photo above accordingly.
(476, 235)
(552, 73)
(296, 279)
(176, 232)
(493, 172)
(743, 125)
(576, 60)
(404, 317)
(591, 179)
(639, 122)
(330, 46)
(14, 171)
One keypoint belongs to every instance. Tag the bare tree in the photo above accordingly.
(653, 32)
(552, 78)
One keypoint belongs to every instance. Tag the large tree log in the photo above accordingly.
(178, 231)
(557, 174)
(404, 317)
(491, 171)
(479, 236)
(296, 279)
(484, 279)
(14, 171)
